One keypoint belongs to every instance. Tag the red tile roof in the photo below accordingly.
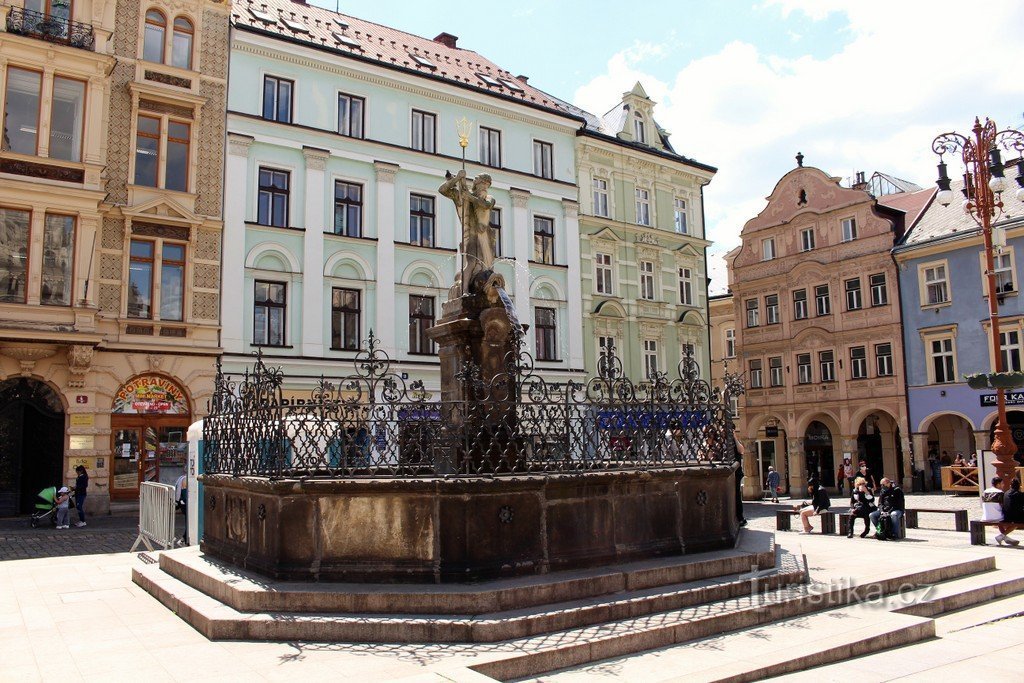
(911, 203)
(350, 36)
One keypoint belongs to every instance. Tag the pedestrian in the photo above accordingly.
(181, 502)
(893, 505)
(862, 505)
(738, 454)
(63, 500)
(818, 504)
(992, 500)
(936, 468)
(850, 472)
(81, 489)
(1013, 511)
(773, 483)
(866, 475)
(959, 461)
(840, 480)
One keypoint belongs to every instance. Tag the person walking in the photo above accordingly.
(81, 489)
(865, 474)
(891, 503)
(773, 483)
(738, 454)
(862, 505)
(181, 502)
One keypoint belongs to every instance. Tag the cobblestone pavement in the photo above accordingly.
(103, 534)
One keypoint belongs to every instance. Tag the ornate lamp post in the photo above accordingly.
(984, 185)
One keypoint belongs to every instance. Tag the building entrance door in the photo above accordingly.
(31, 443)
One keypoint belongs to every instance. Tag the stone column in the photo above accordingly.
(919, 442)
(35, 257)
(384, 323)
(236, 189)
(796, 463)
(574, 307)
(313, 253)
(522, 250)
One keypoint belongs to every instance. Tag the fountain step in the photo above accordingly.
(249, 592)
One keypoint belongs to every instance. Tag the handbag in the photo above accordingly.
(778, 489)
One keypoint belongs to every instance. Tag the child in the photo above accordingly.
(63, 514)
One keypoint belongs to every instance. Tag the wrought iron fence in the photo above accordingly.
(50, 28)
(374, 423)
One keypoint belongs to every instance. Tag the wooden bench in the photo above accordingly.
(959, 517)
(978, 531)
(784, 519)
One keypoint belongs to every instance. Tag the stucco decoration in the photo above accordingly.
(821, 191)
(210, 133)
(27, 355)
(79, 364)
(206, 305)
(113, 233)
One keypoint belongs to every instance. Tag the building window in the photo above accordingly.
(775, 371)
(67, 116)
(603, 273)
(643, 206)
(858, 362)
(21, 111)
(639, 129)
(14, 245)
(883, 360)
(804, 373)
(800, 304)
(272, 200)
(650, 358)
(680, 217)
(753, 313)
(771, 309)
(490, 147)
(935, 289)
(686, 286)
(148, 164)
(268, 318)
(734, 406)
(879, 292)
(730, 343)
(424, 131)
(350, 115)
(58, 259)
(1002, 266)
(768, 249)
(495, 224)
(543, 239)
(849, 229)
(543, 159)
(605, 347)
(756, 378)
(1009, 343)
(853, 301)
(345, 314)
(140, 279)
(827, 366)
(546, 338)
(154, 37)
(942, 360)
(421, 319)
(181, 43)
(600, 197)
(172, 282)
(807, 239)
(647, 280)
(348, 209)
(421, 220)
(277, 99)
(822, 302)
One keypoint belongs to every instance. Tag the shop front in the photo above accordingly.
(149, 424)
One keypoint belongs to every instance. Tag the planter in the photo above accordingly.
(995, 380)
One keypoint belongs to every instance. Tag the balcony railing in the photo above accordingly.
(53, 29)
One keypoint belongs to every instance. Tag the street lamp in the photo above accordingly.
(984, 184)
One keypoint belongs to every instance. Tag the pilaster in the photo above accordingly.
(313, 253)
(522, 244)
(233, 251)
(574, 309)
(384, 323)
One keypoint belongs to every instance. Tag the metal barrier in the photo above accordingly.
(156, 516)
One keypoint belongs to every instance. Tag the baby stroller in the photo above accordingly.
(46, 512)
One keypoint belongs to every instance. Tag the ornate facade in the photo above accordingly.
(818, 334)
(110, 311)
(643, 243)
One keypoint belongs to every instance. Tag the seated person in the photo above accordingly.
(891, 503)
(862, 505)
(818, 503)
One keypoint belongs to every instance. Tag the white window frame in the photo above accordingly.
(643, 206)
(946, 350)
(768, 252)
(604, 281)
(804, 371)
(600, 197)
(753, 313)
(756, 370)
(849, 228)
(1005, 267)
(859, 365)
(934, 281)
(879, 292)
(822, 303)
(807, 239)
(827, 366)
(730, 342)
(639, 128)
(686, 286)
(650, 357)
(771, 311)
(682, 225)
(775, 371)
(800, 310)
(854, 297)
(648, 285)
(1011, 349)
(883, 359)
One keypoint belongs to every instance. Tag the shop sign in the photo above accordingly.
(1013, 398)
(87, 463)
(150, 395)
(81, 442)
(126, 481)
(79, 420)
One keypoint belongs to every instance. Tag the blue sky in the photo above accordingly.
(744, 86)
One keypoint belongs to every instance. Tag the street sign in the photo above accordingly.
(1013, 398)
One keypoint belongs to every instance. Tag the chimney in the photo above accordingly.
(523, 78)
(859, 183)
(446, 39)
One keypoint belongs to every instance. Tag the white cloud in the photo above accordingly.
(899, 79)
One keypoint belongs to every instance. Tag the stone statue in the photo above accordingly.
(473, 205)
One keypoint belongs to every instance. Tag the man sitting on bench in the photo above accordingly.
(992, 511)
(818, 504)
(892, 504)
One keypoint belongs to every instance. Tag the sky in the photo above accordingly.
(744, 86)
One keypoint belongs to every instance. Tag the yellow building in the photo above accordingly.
(110, 220)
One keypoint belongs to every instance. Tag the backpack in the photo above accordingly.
(884, 528)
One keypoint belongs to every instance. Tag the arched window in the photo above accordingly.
(153, 42)
(181, 45)
(639, 130)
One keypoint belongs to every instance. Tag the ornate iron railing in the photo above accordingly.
(373, 423)
(50, 28)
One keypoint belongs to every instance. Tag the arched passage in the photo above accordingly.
(878, 445)
(818, 452)
(949, 433)
(31, 442)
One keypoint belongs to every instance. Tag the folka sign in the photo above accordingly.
(150, 395)
(1013, 398)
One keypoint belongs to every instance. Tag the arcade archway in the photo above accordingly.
(31, 442)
